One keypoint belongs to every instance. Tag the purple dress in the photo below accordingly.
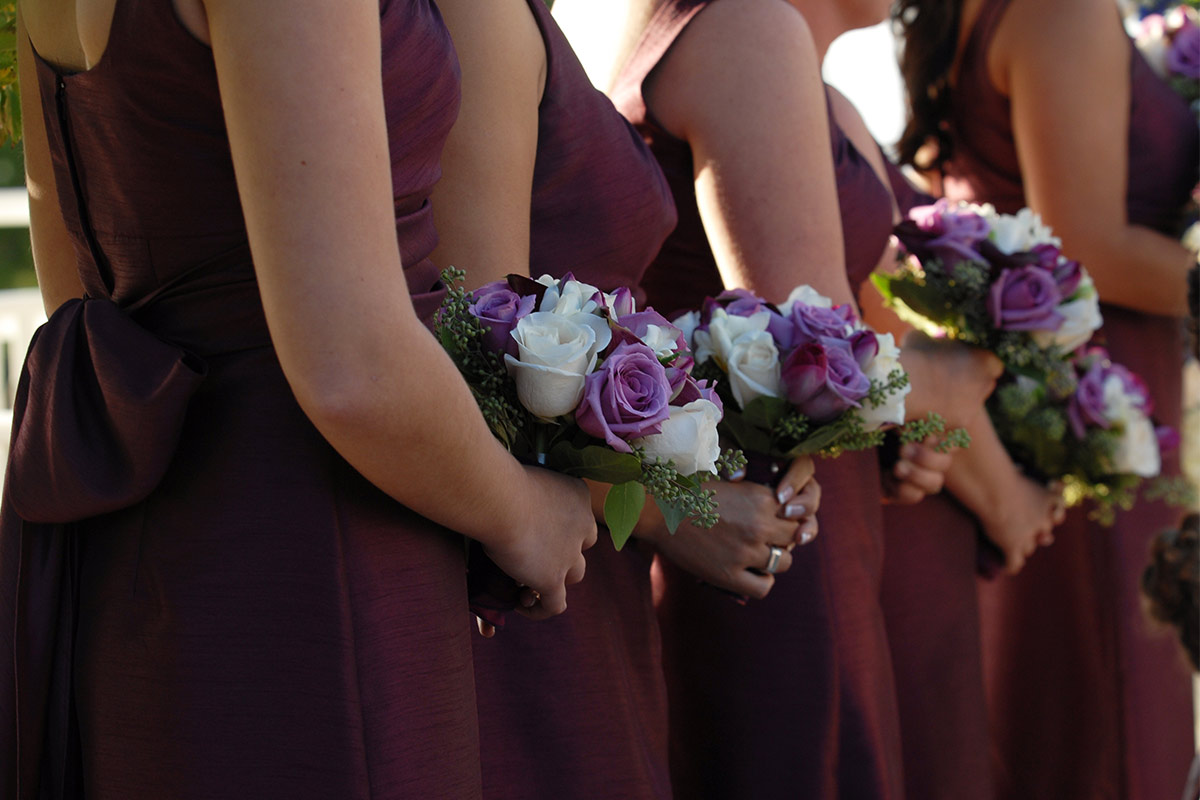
(931, 607)
(576, 707)
(790, 697)
(1087, 700)
(201, 598)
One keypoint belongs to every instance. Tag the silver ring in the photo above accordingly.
(773, 560)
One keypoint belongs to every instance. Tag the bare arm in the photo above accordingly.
(742, 86)
(482, 203)
(53, 253)
(1065, 66)
(301, 88)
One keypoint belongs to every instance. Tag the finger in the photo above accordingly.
(549, 602)
(1015, 562)
(799, 472)
(925, 455)
(591, 537)
(1045, 538)
(576, 572)
(779, 533)
(992, 365)
(751, 584)
(927, 481)
(804, 504)
(807, 531)
(486, 629)
(906, 494)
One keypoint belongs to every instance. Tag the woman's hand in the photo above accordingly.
(921, 471)
(948, 378)
(1024, 521)
(734, 553)
(546, 554)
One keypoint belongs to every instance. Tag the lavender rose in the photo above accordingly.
(823, 379)
(1025, 299)
(626, 398)
(950, 234)
(500, 308)
(813, 322)
(1086, 407)
(1183, 57)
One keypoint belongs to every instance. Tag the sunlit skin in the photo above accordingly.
(301, 88)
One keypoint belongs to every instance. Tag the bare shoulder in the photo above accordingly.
(1035, 31)
(735, 55)
(849, 119)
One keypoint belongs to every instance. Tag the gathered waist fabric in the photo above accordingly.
(100, 406)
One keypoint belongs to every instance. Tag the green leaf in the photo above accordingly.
(821, 438)
(765, 412)
(622, 508)
(747, 436)
(883, 284)
(672, 514)
(594, 462)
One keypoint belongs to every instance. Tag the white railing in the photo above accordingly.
(20, 315)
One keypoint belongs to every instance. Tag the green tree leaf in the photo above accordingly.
(622, 508)
(672, 514)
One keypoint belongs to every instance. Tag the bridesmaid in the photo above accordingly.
(1000, 93)
(798, 687)
(543, 175)
(223, 571)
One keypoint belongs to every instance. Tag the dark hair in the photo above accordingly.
(1171, 583)
(929, 31)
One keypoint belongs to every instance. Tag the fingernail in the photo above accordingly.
(529, 601)
(807, 537)
(909, 451)
(903, 469)
(794, 510)
(737, 474)
(785, 493)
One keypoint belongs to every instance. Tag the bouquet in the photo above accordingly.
(996, 281)
(802, 378)
(1169, 39)
(579, 381)
(1089, 426)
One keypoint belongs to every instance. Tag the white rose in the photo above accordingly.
(753, 367)
(687, 323)
(555, 353)
(1152, 41)
(1081, 318)
(573, 300)
(808, 296)
(689, 438)
(659, 339)
(723, 331)
(892, 411)
(1137, 449)
(1016, 233)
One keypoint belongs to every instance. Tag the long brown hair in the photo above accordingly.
(929, 30)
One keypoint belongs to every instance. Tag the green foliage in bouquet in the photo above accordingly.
(941, 302)
(1031, 418)
(10, 98)
(562, 447)
(774, 427)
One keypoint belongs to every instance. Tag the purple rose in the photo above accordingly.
(865, 346)
(1086, 406)
(693, 389)
(813, 322)
(1134, 386)
(823, 379)
(1025, 299)
(622, 303)
(1183, 57)
(741, 302)
(940, 232)
(626, 398)
(499, 308)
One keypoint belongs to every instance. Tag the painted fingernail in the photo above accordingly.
(807, 537)
(795, 510)
(784, 493)
(737, 474)
(903, 469)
